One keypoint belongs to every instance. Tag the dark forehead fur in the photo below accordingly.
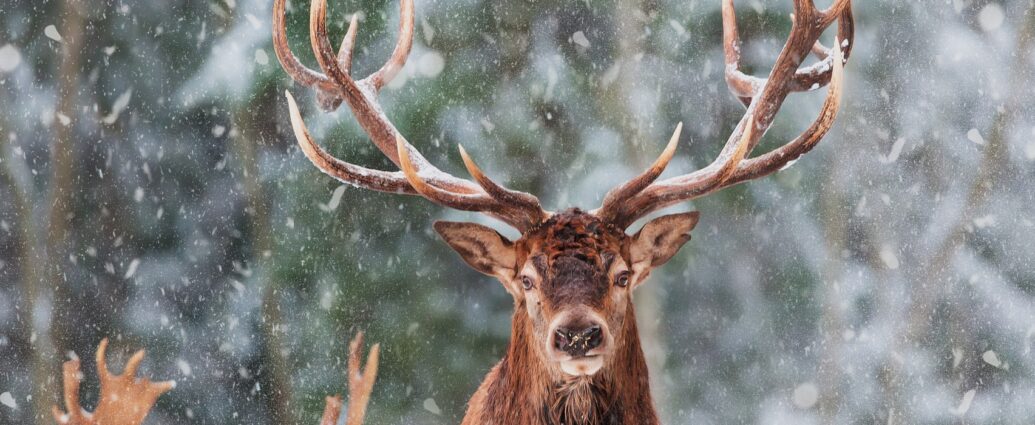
(574, 233)
(573, 251)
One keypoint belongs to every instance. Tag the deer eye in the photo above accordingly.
(622, 279)
(526, 282)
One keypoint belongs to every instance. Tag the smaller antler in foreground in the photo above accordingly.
(125, 399)
(360, 386)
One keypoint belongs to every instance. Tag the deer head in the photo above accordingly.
(571, 273)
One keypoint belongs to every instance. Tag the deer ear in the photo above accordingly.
(661, 238)
(481, 247)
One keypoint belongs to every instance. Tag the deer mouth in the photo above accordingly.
(583, 365)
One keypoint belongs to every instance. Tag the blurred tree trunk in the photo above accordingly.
(278, 381)
(936, 274)
(28, 254)
(834, 220)
(60, 195)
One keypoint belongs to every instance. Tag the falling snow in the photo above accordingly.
(10, 58)
(7, 399)
(151, 192)
(52, 33)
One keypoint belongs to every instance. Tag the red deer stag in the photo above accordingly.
(574, 355)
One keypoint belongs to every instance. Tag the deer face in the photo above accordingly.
(573, 277)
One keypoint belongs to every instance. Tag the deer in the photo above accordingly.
(574, 355)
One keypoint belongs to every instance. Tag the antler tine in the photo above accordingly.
(637, 184)
(324, 52)
(523, 201)
(355, 175)
(361, 385)
(331, 410)
(418, 176)
(347, 44)
(101, 359)
(775, 160)
(299, 72)
(701, 183)
(361, 97)
(820, 51)
(402, 48)
(70, 370)
(835, 11)
(742, 85)
(765, 96)
(746, 87)
(521, 217)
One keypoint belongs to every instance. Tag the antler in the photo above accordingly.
(763, 98)
(418, 177)
(360, 386)
(125, 399)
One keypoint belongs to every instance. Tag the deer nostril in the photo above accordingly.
(577, 343)
(562, 339)
(592, 337)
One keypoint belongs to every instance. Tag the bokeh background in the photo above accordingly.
(151, 192)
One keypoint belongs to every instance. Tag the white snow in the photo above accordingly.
(975, 136)
(580, 38)
(888, 257)
(261, 57)
(1028, 337)
(896, 150)
(8, 400)
(678, 27)
(806, 395)
(10, 58)
(991, 17)
(488, 125)
(332, 204)
(431, 406)
(427, 31)
(184, 367)
(132, 269)
(52, 33)
(120, 105)
(985, 221)
(431, 64)
(964, 405)
(992, 358)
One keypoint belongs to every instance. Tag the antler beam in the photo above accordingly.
(763, 97)
(334, 85)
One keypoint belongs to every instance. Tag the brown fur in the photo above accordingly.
(523, 388)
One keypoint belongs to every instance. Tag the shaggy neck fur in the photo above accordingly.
(524, 390)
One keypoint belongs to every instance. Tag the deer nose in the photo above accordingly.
(576, 342)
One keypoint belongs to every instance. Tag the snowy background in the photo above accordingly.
(151, 191)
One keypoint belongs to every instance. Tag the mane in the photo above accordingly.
(583, 400)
